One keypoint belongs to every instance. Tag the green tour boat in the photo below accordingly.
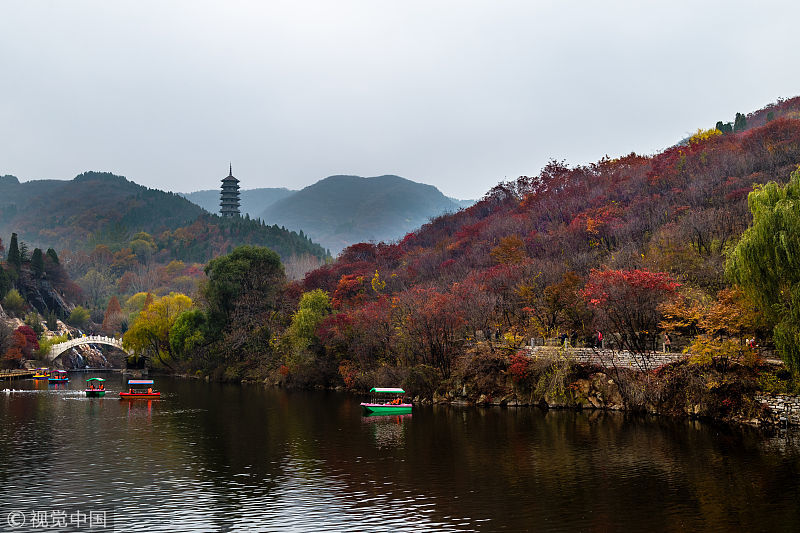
(95, 388)
(386, 401)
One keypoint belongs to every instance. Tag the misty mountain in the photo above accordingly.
(463, 204)
(100, 208)
(253, 201)
(342, 210)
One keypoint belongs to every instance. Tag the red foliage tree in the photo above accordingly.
(31, 342)
(626, 302)
(431, 327)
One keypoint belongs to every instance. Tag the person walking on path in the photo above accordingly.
(667, 342)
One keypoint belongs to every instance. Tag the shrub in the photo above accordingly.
(519, 367)
(32, 320)
(14, 303)
(79, 317)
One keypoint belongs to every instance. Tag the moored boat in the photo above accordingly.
(386, 401)
(58, 376)
(140, 389)
(42, 373)
(95, 392)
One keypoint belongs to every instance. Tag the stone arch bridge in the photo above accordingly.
(58, 349)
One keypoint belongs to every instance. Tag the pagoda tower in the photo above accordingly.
(229, 197)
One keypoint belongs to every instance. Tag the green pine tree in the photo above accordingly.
(740, 123)
(13, 252)
(52, 255)
(37, 263)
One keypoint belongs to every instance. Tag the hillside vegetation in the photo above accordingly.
(117, 239)
(99, 208)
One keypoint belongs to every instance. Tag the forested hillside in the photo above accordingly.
(117, 239)
(621, 252)
(548, 255)
(99, 208)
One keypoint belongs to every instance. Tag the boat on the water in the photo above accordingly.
(386, 401)
(95, 392)
(42, 373)
(140, 389)
(58, 376)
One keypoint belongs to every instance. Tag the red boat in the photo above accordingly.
(140, 389)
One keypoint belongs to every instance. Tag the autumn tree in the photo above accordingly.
(627, 303)
(313, 308)
(477, 305)
(717, 327)
(766, 262)
(6, 337)
(149, 334)
(12, 357)
(113, 317)
(302, 332)
(31, 340)
(431, 328)
(510, 251)
(373, 333)
(96, 286)
(555, 307)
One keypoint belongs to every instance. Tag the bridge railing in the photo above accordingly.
(61, 347)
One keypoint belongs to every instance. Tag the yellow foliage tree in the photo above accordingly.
(703, 135)
(510, 251)
(718, 326)
(149, 332)
(377, 283)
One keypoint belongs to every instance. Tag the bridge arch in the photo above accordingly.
(58, 349)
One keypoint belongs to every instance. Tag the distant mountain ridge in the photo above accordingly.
(102, 208)
(342, 210)
(253, 201)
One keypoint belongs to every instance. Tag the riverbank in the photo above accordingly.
(755, 392)
(748, 390)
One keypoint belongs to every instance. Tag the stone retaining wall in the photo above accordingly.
(784, 410)
(611, 358)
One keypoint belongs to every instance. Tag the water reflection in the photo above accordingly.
(220, 457)
(389, 430)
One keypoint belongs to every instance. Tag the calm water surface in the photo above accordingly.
(210, 457)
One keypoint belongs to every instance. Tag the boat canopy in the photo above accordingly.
(140, 382)
(61, 371)
(388, 390)
(95, 379)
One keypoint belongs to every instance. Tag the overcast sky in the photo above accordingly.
(460, 95)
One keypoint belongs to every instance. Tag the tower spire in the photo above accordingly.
(229, 195)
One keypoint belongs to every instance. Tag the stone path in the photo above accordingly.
(620, 359)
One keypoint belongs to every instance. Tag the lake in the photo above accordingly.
(214, 457)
